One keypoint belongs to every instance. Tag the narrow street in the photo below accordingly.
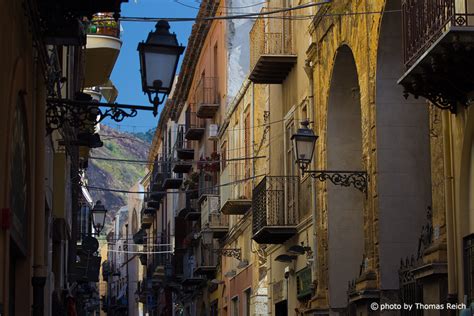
(237, 158)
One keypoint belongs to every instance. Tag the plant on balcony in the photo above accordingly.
(210, 163)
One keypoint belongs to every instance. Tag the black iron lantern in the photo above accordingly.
(159, 57)
(98, 217)
(304, 142)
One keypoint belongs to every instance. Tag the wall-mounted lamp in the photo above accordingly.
(243, 264)
(304, 141)
(285, 258)
(230, 274)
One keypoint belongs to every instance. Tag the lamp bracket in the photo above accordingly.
(357, 179)
(83, 114)
(156, 101)
(230, 252)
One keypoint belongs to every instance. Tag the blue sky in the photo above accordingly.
(126, 74)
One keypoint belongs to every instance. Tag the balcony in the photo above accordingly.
(236, 199)
(190, 279)
(170, 179)
(271, 50)
(139, 238)
(207, 184)
(195, 126)
(207, 260)
(102, 49)
(274, 206)
(207, 97)
(211, 218)
(153, 199)
(193, 213)
(147, 221)
(438, 39)
(183, 148)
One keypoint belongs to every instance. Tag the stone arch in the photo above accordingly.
(344, 152)
(402, 155)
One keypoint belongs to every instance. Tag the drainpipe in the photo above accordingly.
(309, 69)
(38, 280)
(451, 242)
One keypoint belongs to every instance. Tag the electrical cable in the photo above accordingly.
(223, 7)
(174, 162)
(175, 192)
(226, 17)
(140, 252)
(253, 16)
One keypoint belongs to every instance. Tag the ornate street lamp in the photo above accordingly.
(98, 217)
(303, 146)
(304, 142)
(159, 57)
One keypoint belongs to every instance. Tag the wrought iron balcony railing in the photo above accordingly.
(207, 184)
(237, 198)
(424, 21)
(274, 205)
(183, 148)
(271, 50)
(211, 218)
(207, 260)
(207, 97)
(195, 126)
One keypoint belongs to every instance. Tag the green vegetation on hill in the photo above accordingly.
(147, 136)
(113, 174)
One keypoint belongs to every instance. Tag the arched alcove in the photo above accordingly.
(345, 204)
(403, 155)
(134, 221)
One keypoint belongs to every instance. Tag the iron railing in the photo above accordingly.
(181, 141)
(271, 36)
(274, 202)
(189, 264)
(208, 184)
(207, 91)
(468, 258)
(207, 256)
(191, 119)
(211, 217)
(236, 172)
(411, 290)
(104, 24)
(425, 20)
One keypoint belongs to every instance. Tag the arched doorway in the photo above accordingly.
(403, 175)
(344, 152)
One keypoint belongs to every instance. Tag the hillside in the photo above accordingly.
(114, 174)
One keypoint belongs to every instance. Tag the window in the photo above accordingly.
(290, 158)
(235, 306)
(224, 154)
(216, 61)
(247, 152)
(247, 294)
(469, 268)
(214, 309)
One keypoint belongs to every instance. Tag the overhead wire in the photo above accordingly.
(177, 191)
(223, 7)
(224, 17)
(146, 162)
(251, 16)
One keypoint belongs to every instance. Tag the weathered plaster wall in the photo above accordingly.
(237, 41)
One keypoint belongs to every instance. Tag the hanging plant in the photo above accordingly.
(211, 163)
